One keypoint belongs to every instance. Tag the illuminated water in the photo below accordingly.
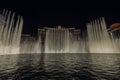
(30, 45)
(63, 41)
(57, 40)
(99, 40)
(19, 61)
(10, 33)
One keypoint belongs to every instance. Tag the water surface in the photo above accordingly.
(60, 67)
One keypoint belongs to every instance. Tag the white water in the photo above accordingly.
(100, 41)
(30, 45)
(56, 40)
(10, 33)
(63, 41)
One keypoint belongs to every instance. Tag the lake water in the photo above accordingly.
(60, 67)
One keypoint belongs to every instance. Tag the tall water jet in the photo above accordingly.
(57, 40)
(29, 44)
(10, 32)
(98, 37)
(115, 35)
(77, 44)
(63, 40)
(37, 47)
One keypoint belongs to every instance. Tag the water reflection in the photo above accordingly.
(30, 66)
(105, 66)
(8, 61)
(8, 64)
(60, 66)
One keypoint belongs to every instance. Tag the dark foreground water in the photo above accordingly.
(60, 67)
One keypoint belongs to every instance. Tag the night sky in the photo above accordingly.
(38, 14)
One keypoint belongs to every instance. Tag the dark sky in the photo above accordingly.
(38, 14)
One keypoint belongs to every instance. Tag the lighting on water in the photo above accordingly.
(10, 33)
(55, 40)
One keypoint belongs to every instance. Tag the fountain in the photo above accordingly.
(10, 33)
(55, 40)
(29, 44)
(63, 40)
(99, 40)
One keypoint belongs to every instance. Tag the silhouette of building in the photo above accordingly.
(42, 32)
